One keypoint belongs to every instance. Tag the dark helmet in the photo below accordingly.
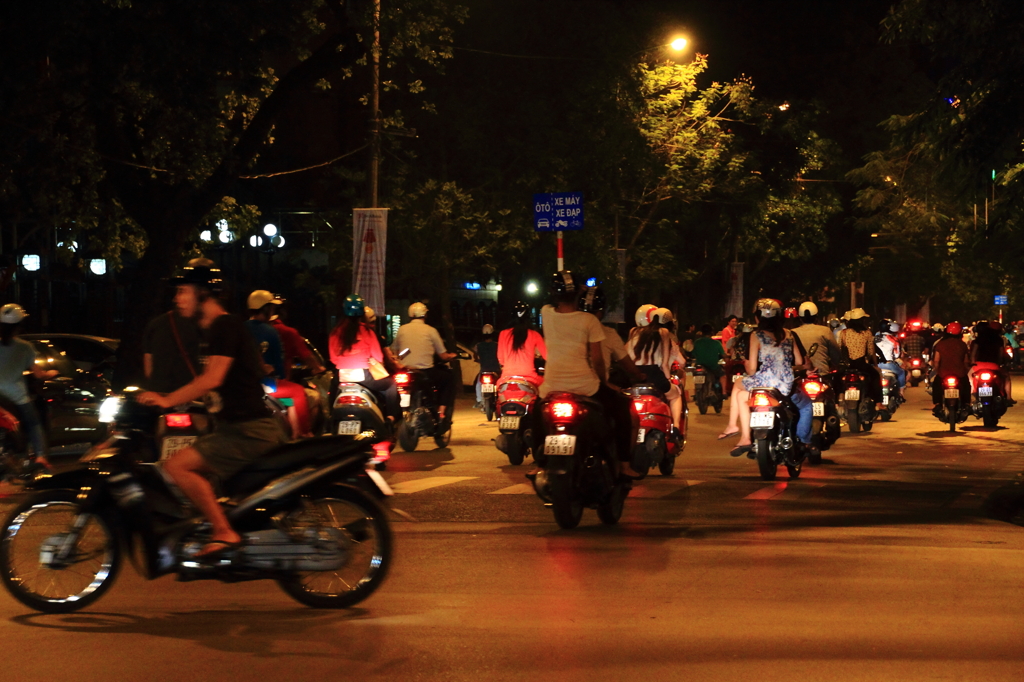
(563, 282)
(200, 272)
(593, 301)
(521, 311)
(354, 306)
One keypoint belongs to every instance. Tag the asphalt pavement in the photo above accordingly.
(900, 557)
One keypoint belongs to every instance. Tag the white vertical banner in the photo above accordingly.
(735, 306)
(369, 246)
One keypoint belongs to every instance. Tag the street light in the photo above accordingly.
(31, 262)
(679, 44)
(98, 266)
(532, 288)
(270, 230)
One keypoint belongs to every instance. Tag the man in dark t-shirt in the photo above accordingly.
(170, 352)
(230, 383)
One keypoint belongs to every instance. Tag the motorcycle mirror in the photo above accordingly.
(403, 353)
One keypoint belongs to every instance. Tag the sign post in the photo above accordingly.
(558, 212)
(1001, 300)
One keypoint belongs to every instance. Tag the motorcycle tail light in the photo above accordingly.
(951, 382)
(352, 399)
(179, 421)
(486, 379)
(638, 405)
(852, 378)
(915, 362)
(762, 400)
(885, 381)
(563, 411)
(402, 379)
(813, 388)
(985, 376)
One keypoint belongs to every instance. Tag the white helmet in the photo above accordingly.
(663, 315)
(417, 309)
(768, 307)
(809, 308)
(12, 313)
(644, 314)
(894, 327)
(488, 329)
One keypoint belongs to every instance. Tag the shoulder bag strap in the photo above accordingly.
(181, 346)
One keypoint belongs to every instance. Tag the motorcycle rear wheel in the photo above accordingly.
(702, 403)
(765, 464)
(407, 436)
(442, 439)
(362, 531)
(567, 507)
(91, 569)
(489, 408)
(886, 415)
(853, 421)
(516, 449)
(611, 511)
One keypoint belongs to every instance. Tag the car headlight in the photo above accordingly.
(109, 409)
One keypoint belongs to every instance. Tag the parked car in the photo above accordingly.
(88, 353)
(69, 402)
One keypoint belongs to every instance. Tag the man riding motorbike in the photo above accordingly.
(424, 342)
(292, 343)
(826, 356)
(888, 343)
(950, 358)
(170, 347)
(988, 352)
(230, 384)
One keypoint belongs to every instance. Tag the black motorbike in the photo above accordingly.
(580, 469)
(489, 390)
(891, 398)
(825, 428)
(420, 401)
(987, 402)
(307, 512)
(707, 390)
(773, 419)
(855, 399)
(955, 406)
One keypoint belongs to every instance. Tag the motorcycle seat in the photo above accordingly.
(292, 456)
(648, 389)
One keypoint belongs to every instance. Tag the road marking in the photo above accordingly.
(647, 490)
(776, 490)
(517, 489)
(769, 492)
(422, 484)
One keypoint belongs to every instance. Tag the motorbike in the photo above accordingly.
(891, 398)
(855, 400)
(707, 390)
(419, 402)
(356, 409)
(952, 409)
(488, 386)
(308, 512)
(987, 402)
(15, 460)
(517, 397)
(825, 427)
(773, 421)
(580, 468)
(658, 443)
(917, 371)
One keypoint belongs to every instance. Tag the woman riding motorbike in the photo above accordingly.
(519, 346)
(354, 346)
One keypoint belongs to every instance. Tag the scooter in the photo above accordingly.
(825, 427)
(579, 464)
(517, 397)
(658, 443)
(917, 371)
(420, 419)
(488, 381)
(855, 400)
(707, 390)
(954, 407)
(891, 398)
(773, 419)
(988, 403)
(356, 409)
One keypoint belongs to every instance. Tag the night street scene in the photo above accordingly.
(460, 340)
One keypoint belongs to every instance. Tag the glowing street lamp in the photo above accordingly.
(532, 288)
(270, 230)
(679, 44)
(98, 266)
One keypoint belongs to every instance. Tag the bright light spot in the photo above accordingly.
(472, 285)
(784, 106)
(874, 234)
(270, 229)
(222, 225)
(226, 237)
(98, 266)
(532, 288)
(277, 241)
(206, 236)
(72, 246)
(498, 288)
(32, 263)
(255, 240)
(592, 282)
(679, 44)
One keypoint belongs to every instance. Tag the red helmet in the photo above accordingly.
(790, 313)
(954, 328)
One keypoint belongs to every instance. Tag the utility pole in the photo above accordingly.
(375, 106)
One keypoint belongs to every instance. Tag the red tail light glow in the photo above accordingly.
(915, 362)
(563, 410)
(486, 379)
(951, 382)
(985, 376)
(402, 379)
(761, 400)
(179, 421)
(638, 405)
(885, 381)
(813, 388)
(351, 399)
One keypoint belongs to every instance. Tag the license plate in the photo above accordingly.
(885, 400)
(172, 444)
(404, 399)
(915, 373)
(699, 379)
(952, 393)
(509, 423)
(984, 390)
(852, 394)
(487, 388)
(559, 445)
(762, 420)
(818, 409)
(349, 427)
(641, 434)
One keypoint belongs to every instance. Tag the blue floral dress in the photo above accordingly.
(774, 364)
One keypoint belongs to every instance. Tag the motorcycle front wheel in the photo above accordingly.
(765, 462)
(358, 526)
(36, 567)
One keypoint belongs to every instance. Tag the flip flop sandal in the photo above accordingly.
(740, 450)
(218, 553)
(723, 436)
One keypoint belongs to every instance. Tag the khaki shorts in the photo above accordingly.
(235, 445)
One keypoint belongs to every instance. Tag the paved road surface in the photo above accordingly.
(883, 563)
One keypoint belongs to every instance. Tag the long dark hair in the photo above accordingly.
(520, 332)
(7, 332)
(856, 325)
(348, 331)
(772, 325)
(648, 340)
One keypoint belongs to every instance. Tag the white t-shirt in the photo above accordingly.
(568, 337)
(612, 349)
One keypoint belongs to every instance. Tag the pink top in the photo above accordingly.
(520, 363)
(358, 356)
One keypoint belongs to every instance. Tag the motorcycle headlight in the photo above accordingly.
(109, 409)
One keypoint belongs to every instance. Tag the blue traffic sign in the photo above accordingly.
(1002, 300)
(561, 211)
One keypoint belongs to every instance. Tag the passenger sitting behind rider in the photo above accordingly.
(230, 383)
(707, 352)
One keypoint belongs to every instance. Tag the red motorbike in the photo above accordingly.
(517, 397)
(658, 443)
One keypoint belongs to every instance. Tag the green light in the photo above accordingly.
(993, 176)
